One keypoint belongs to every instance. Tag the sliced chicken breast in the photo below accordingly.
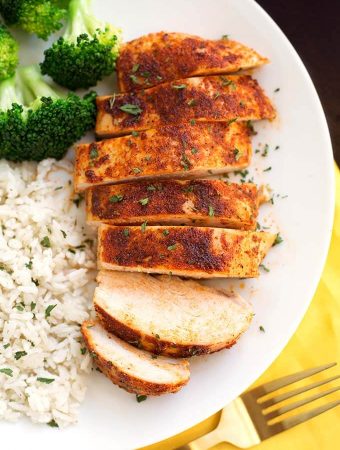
(158, 57)
(180, 151)
(168, 315)
(185, 251)
(206, 99)
(211, 203)
(133, 369)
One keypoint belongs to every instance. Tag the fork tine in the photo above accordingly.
(279, 411)
(300, 418)
(279, 398)
(271, 386)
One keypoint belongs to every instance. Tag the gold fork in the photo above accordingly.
(244, 422)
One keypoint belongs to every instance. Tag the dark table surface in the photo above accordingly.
(314, 30)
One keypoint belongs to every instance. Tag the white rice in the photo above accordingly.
(34, 279)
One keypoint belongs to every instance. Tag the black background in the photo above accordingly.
(313, 27)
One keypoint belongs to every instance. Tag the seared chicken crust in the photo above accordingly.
(172, 202)
(195, 252)
(179, 151)
(158, 57)
(208, 99)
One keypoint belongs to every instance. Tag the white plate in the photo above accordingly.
(301, 168)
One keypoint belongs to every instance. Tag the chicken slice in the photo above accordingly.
(133, 369)
(211, 203)
(195, 252)
(158, 57)
(181, 151)
(206, 99)
(168, 315)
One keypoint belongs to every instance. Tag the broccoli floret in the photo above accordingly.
(36, 122)
(41, 17)
(9, 54)
(86, 53)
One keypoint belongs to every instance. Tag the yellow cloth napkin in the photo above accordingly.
(317, 341)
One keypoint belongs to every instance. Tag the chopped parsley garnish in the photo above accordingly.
(225, 37)
(185, 163)
(7, 371)
(63, 233)
(211, 211)
(144, 201)
(147, 158)
(45, 380)
(83, 350)
(188, 189)
(35, 281)
(94, 153)
(151, 187)
(45, 242)
(216, 95)
(140, 398)
(135, 67)
(237, 154)
(179, 86)
(134, 133)
(112, 101)
(71, 250)
(191, 102)
(6, 346)
(265, 150)
(78, 200)
(134, 79)
(19, 307)
(116, 198)
(278, 239)
(126, 232)
(29, 265)
(276, 90)
(166, 232)
(194, 151)
(48, 310)
(131, 109)
(277, 147)
(261, 329)
(268, 169)
(53, 424)
(172, 247)
(146, 74)
(143, 226)
(226, 82)
(33, 305)
(58, 188)
(192, 122)
(264, 268)
(136, 170)
(20, 354)
(251, 128)
(231, 121)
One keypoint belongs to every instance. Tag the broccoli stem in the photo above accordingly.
(9, 94)
(81, 20)
(33, 85)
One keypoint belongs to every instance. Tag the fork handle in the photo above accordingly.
(204, 442)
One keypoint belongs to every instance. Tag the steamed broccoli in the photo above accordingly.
(36, 122)
(8, 54)
(86, 53)
(41, 17)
